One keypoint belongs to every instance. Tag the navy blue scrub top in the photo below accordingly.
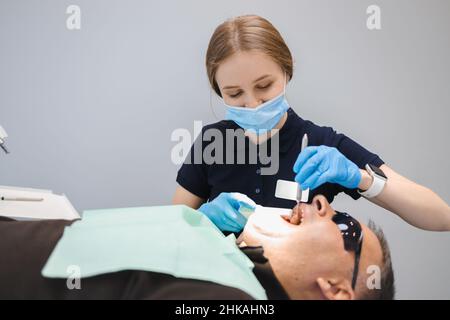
(208, 180)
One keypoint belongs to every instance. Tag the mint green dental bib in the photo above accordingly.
(176, 240)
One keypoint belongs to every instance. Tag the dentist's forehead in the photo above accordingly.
(238, 66)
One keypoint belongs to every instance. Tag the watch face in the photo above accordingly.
(377, 171)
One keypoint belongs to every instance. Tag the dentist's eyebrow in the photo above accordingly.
(260, 78)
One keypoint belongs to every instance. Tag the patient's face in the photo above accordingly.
(309, 224)
(308, 245)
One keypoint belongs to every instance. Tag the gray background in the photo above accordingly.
(90, 112)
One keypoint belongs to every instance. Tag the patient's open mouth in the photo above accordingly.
(297, 215)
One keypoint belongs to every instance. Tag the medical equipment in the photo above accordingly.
(247, 211)
(291, 190)
(3, 136)
(35, 204)
(260, 119)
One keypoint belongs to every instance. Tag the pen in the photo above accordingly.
(20, 199)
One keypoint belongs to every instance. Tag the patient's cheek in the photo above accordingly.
(267, 222)
(250, 233)
(265, 226)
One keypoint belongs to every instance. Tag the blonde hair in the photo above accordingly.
(244, 33)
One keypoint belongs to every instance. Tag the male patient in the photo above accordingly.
(318, 253)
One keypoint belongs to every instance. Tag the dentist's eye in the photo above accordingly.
(235, 95)
(265, 86)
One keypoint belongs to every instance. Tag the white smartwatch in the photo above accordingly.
(378, 181)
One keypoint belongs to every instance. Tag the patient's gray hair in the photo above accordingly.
(387, 281)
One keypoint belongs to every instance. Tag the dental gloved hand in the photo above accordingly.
(225, 210)
(319, 164)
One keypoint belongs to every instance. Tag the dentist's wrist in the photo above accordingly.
(366, 180)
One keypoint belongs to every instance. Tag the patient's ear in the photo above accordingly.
(336, 289)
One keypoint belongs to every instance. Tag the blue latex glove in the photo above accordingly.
(319, 164)
(223, 211)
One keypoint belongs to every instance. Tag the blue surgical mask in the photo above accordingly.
(261, 119)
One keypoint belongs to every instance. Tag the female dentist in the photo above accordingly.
(248, 66)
